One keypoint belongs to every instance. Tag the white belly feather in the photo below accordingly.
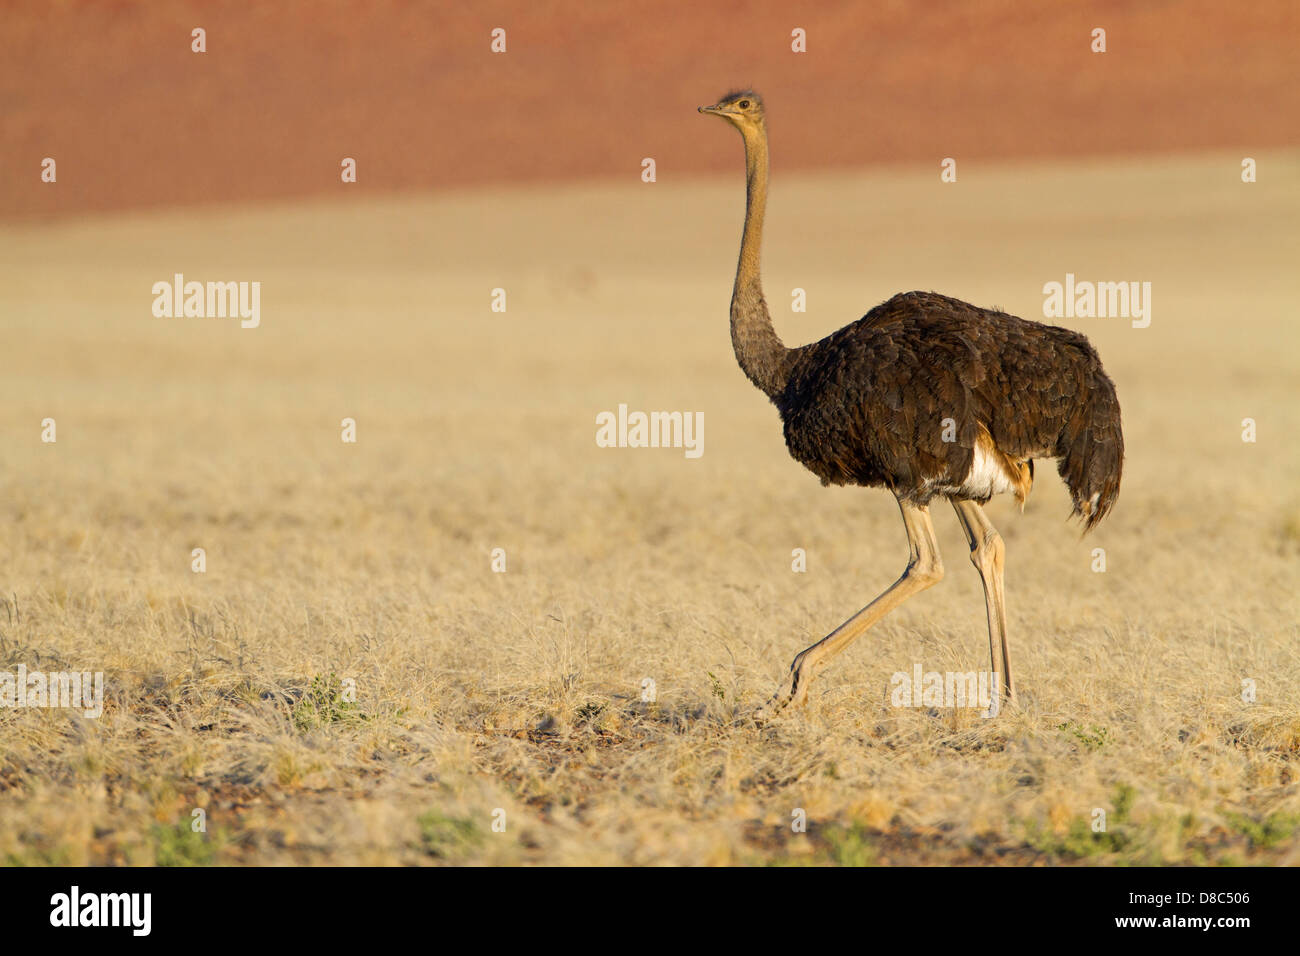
(986, 477)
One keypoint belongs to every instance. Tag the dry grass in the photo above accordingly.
(521, 691)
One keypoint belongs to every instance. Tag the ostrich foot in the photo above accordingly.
(793, 692)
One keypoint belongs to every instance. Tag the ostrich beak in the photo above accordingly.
(711, 109)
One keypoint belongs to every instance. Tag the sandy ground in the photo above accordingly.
(521, 691)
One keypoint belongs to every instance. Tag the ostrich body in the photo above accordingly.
(929, 397)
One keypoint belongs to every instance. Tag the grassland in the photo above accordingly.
(330, 563)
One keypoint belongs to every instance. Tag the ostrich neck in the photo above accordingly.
(759, 351)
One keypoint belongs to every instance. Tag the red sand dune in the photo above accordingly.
(412, 91)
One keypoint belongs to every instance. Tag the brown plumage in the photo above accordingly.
(929, 397)
(873, 403)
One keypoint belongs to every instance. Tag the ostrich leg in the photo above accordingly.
(924, 568)
(986, 553)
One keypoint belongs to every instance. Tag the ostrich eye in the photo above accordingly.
(743, 104)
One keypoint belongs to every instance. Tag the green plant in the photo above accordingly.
(180, 845)
(1267, 833)
(716, 688)
(324, 703)
(447, 837)
(1093, 737)
(850, 846)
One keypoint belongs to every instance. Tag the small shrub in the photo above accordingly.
(449, 838)
(323, 703)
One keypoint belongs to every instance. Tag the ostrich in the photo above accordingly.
(929, 397)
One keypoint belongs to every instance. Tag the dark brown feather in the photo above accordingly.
(871, 404)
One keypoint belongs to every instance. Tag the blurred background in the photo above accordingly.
(412, 91)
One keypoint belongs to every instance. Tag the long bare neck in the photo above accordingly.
(759, 351)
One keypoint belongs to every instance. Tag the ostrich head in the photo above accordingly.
(743, 109)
